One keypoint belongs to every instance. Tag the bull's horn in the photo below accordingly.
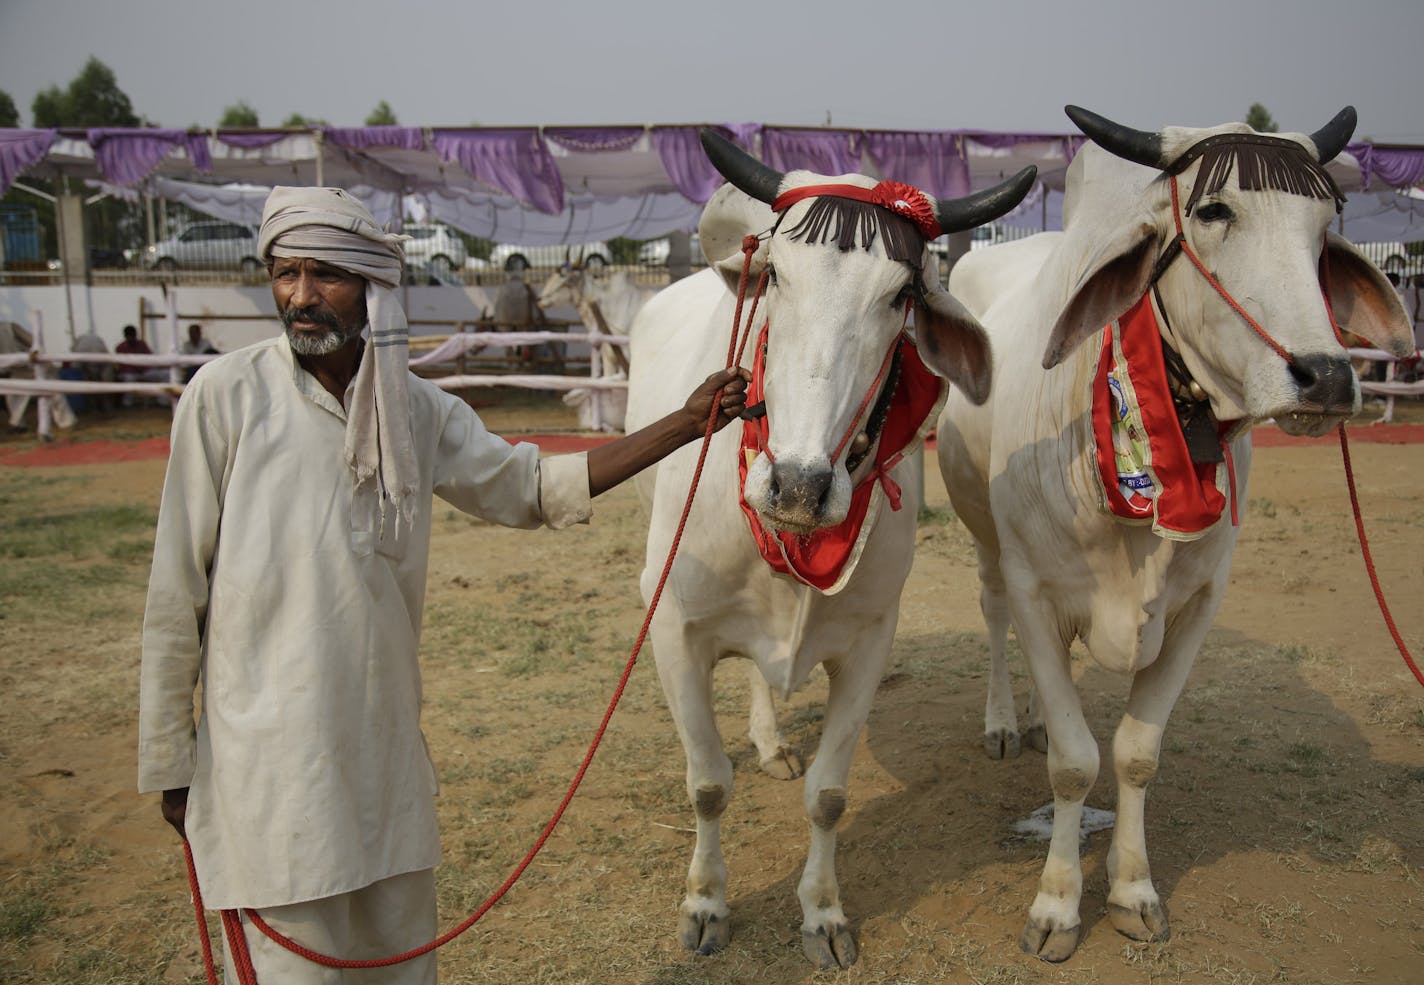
(1139, 146)
(958, 214)
(740, 168)
(1331, 139)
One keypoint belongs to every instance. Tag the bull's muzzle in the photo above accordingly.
(1325, 383)
(795, 496)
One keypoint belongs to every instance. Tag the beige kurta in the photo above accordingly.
(308, 771)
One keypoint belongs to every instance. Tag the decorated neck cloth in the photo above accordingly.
(330, 225)
(1146, 472)
(826, 558)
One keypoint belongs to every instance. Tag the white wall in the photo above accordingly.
(71, 311)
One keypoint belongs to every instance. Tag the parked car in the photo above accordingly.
(511, 256)
(434, 247)
(654, 253)
(207, 246)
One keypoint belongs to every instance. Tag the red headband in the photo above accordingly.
(902, 199)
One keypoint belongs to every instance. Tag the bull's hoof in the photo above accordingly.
(784, 764)
(1147, 922)
(1048, 944)
(829, 947)
(705, 933)
(1002, 744)
(1037, 738)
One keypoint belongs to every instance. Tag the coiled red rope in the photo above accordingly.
(232, 925)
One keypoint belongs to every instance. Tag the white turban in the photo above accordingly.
(330, 225)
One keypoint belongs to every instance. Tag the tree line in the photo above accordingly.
(93, 98)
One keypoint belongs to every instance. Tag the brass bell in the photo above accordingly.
(1195, 389)
(859, 443)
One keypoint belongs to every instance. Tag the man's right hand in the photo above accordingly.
(175, 809)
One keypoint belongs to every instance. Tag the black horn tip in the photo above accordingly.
(957, 215)
(740, 168)
(1139, 146)
(1331, 139)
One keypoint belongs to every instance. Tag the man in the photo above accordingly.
(132, 345)
(196, 345)
(289, 570)
(15, 339)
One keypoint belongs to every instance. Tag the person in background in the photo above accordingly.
(288, 584)
(132, 345)
(15, 339)
(195, 345)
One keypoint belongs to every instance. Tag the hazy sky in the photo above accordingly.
(894, 64)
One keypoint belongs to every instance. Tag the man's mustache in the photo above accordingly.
(311, 314)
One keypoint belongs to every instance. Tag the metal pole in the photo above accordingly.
(42, 414)
(61, 187)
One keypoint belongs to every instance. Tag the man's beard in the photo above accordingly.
(317, 343)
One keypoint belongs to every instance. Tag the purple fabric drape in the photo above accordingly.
(21, 149)
(931, 161)
(514, 161)
(680, 149)
(828, 152)
(594, 139)
(251, 141)
(126, 157)
(1398, 167)
(364, 138)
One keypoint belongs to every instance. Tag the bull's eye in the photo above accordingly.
(900, 299)
(1215, 212)
(770, 275)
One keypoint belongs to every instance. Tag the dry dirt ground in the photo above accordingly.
(1286, 825)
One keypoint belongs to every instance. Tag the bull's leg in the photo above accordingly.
(1053, 926)
(825, 934)
(777, 759)
(1035, 736)
(1001, 728)
(1133, 904)
(704, 921)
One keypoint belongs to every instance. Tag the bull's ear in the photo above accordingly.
(728, 218)
(1113, 281)
(954, 345)
(1364, 301)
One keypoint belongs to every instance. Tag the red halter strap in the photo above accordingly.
(1185, 247)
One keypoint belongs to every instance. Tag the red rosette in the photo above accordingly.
(910, 202)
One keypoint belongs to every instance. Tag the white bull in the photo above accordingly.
(833, 314)
(1023, 469)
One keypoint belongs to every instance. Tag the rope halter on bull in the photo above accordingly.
(905, 219)
(1261, 163)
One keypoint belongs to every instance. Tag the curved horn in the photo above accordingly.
(958, 214)
(1331, 139)
(1139, 146)
(740, 168)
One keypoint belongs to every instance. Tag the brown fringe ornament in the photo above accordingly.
(1261, 164)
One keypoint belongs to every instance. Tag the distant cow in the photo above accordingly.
(1104, 478)
(619, 299)
(845, 267)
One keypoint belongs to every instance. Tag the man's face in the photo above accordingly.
(322, 307)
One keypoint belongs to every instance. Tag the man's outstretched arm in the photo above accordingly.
(610, 464)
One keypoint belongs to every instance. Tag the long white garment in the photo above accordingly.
(308, 772)
(382, 920)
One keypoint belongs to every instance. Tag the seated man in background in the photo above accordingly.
(196, 345)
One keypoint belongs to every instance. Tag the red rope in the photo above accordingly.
(231, 921)
(1201, 268)
(1370, 563)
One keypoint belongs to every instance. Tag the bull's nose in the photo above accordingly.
(1325, 381)
(799, 489)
